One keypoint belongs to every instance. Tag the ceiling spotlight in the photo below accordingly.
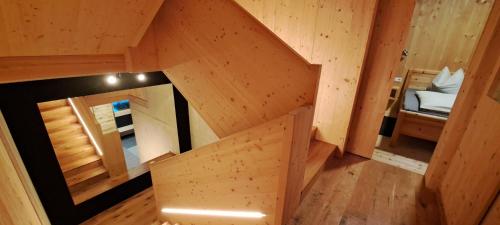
(141, 77)
(112, 79)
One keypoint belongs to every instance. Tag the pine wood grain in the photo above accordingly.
(35, 28)
(482, 63)
(333, 33)
(236, 73)
(389, 36)
(354, 190)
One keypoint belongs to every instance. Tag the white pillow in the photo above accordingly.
(443, 76)
(445, 83)
(436, 101)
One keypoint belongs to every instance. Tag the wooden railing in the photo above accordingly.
(251, 177)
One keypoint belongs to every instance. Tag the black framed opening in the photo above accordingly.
(18, 103)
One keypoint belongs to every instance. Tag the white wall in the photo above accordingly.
(155, 125)
(201, 133)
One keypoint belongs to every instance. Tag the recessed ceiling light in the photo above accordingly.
(112, 79)
(141, 77)
(220, 213)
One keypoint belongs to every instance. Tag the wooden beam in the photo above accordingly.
(16, 69)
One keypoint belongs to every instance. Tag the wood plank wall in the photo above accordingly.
(225, 175)
(465, 168)
(473, 87)
(231, 69)
(19, 203)
(79, 27)
(445, 33)
(333, 33)
(388, 40)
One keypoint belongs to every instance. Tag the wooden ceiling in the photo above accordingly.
(73, 27)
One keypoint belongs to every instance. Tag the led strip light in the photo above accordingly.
(220, 213)
(98, 149)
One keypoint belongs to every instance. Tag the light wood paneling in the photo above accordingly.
(482, 63)
(19, 203)
(334, 33)
(14, 69)
(78, 27)
(354, 190)
(389, 36)
(225, 175)
(232, 70)
(445, 33)
(137, 210)
(471, 182)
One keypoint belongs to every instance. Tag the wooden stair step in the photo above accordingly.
(86, 177)
(75, 153)
(71, 142)
(44, 106)
(56, 113)
(319, 152)
(81, 164)
(71, 129)
(75, 150)
(60, 124)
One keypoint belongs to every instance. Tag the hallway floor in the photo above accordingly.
(351, 190)
(354, 190)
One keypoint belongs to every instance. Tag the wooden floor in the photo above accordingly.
(409, 147)
(354, 190)
(351, 190)
(138, 210)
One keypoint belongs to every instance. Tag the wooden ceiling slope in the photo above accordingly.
(233, 71)
(333, 33)
(45, 40)
(76, 27)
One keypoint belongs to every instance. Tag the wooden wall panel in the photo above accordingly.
(225, 175)
(19, 203)
(472, 182)
(232, 70)
(482, 63)
(465, 168)
(445, 33)
(77, 27)
(334, 33)
(388, 40)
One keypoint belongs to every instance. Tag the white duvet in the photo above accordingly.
(436, 101)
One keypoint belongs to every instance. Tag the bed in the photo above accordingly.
(413, 121)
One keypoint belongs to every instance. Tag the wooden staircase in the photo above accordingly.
(319, 152)
(79, 161)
